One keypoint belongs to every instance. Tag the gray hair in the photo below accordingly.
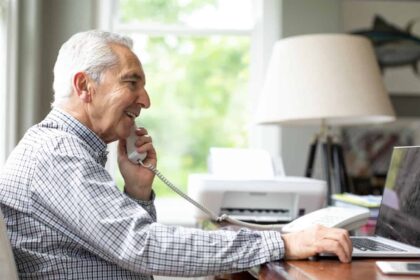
(88, 51)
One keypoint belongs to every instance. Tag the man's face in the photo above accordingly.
(118, 98)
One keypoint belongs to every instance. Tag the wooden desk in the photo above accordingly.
(326, 269)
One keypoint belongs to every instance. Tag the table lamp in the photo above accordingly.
(326, 80)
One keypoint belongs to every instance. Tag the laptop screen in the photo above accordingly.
(399, 216)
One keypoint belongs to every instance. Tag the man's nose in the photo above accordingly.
(143, 99)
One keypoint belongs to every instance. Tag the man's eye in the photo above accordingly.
(132, 84)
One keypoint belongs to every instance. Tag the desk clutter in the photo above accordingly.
(370, 202)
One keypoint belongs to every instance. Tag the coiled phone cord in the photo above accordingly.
(214, 217)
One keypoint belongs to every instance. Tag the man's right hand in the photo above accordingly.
(318, 239)
(138, 179)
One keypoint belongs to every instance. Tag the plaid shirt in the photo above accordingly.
(67, 219)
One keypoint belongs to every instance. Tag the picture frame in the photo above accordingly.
(368, 150)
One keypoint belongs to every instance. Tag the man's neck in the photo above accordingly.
(77, 112)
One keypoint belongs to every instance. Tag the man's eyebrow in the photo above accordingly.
(133, 76)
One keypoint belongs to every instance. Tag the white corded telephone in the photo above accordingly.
(132, 154)
(348, 218)
(339, 217)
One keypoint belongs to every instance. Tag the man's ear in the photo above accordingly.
(81, 86)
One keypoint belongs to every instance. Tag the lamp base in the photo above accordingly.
(333, 164)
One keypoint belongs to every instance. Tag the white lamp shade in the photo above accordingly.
(324, 77)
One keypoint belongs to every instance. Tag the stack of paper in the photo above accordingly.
(352, 200)
(240, 163)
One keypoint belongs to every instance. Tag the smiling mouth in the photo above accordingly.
(131, 115)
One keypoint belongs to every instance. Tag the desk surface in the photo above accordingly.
(326, 269)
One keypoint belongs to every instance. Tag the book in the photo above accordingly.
(372, 202)
(368, 201)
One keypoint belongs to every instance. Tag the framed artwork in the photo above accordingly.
(394, 29)
(368, 149)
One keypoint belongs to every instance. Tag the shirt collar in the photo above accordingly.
(62, 120)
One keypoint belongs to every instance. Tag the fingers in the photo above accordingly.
(331, 246)
(318, 239)
(342, 237)
(336, 241)
(140, 131)
(144, 140)
(143, 143)
(334, 247)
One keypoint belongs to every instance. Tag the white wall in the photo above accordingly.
(267, 31)
(304, 17)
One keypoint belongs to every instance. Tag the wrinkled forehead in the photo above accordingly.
(128, 62)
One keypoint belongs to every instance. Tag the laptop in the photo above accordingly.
(397, 232)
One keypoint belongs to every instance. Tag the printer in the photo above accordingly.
(242, 184)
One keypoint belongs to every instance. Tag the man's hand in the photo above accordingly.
(138, 179)
(318, 239)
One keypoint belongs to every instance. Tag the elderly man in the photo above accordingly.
(67, 219)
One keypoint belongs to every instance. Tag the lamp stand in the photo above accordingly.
(334, 167)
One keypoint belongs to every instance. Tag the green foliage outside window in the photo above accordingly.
(160, 11)
(198, 90)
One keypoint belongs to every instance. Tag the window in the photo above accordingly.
(196, 56)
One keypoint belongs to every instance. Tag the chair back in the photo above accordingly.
(7, 262)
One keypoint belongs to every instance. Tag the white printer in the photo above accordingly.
(251, 193)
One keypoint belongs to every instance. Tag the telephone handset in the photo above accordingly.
(339, 217)
(319, 216)
(133, 155)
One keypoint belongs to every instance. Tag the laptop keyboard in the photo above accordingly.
(365, 244)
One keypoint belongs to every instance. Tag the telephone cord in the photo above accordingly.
(214, 217)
